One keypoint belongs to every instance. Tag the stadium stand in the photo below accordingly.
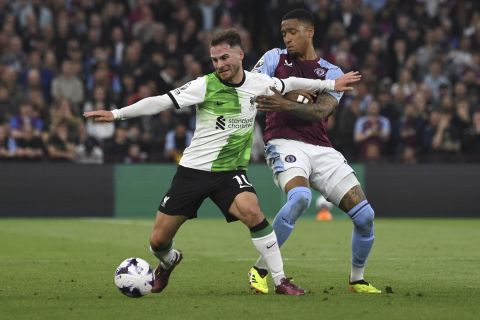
(420, 62)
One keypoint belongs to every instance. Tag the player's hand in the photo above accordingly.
(99, 115)
(300, 96)
(273, 103)
(341, 83)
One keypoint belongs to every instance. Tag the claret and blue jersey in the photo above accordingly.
(281, 125)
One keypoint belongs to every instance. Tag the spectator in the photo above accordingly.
(471, 139)
(372, 131)
(135, 154)
(444, 139)
(99, 130)
(26, 117)
(6, 151)
(68, 85)
(410, 129)
(346, 123)
(176, 141)
(29, 146)
(59, 146)
(89, 152)
(116, 148)
(435, 79)
(7, 108)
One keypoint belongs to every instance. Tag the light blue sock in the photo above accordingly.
(362, 216)
(298, 201)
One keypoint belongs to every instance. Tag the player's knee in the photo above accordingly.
(251, 215)
(363, 220)
(300, 199)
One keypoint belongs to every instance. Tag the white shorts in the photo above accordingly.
(325, 168)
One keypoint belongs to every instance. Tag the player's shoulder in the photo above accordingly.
(327, 64)
(332, 71)
(269, 60)
(252, 75)
(276, 52)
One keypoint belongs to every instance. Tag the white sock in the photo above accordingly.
(261, 264)
(167, 257)
(356, 274)
(270, 252)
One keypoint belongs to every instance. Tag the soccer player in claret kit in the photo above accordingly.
(214, 165)
(299, 152)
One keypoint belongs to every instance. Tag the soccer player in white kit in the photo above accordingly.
(299, 152)
(214, 165)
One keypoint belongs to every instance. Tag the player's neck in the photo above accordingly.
(238, 78)
(309, 54)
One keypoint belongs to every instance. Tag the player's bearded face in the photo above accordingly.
(296, 36)
(227, 61)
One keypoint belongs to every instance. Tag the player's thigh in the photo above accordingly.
(289, 162)
(351, 198)
(187, 192)
(236, 197)
(333, 177)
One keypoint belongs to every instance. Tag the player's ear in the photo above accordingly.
(241, 54)
(310, 31)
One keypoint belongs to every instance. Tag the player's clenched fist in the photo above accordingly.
(99, 115)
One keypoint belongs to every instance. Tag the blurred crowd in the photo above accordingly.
(418, 100)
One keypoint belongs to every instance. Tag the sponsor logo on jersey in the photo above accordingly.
(320, 72)
(220, 124)
(290, 158)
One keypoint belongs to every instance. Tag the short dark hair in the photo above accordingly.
(300, 14)
(228, 36)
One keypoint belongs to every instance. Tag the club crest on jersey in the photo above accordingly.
(290, 158)
(320, 72)
(164, 202)
(252, 102)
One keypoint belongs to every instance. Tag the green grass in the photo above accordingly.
(63, 269)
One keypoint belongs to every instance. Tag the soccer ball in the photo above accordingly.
(134, 277)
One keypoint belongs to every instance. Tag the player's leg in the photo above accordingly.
(356, 205)
(161, 245)
(336, 180)
(245, 207)
(180, 203)
(291, 168)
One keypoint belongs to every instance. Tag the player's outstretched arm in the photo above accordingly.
(342, 83)
(144, 107)
(99, 115)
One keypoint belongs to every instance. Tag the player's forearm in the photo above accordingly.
(144, 107)
(294, 83)
(322, 108)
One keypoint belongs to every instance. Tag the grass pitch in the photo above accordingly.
(63, 269)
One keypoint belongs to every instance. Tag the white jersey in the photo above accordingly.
(226, 112)
(225, 119)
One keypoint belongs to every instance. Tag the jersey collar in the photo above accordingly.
(228, 84)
